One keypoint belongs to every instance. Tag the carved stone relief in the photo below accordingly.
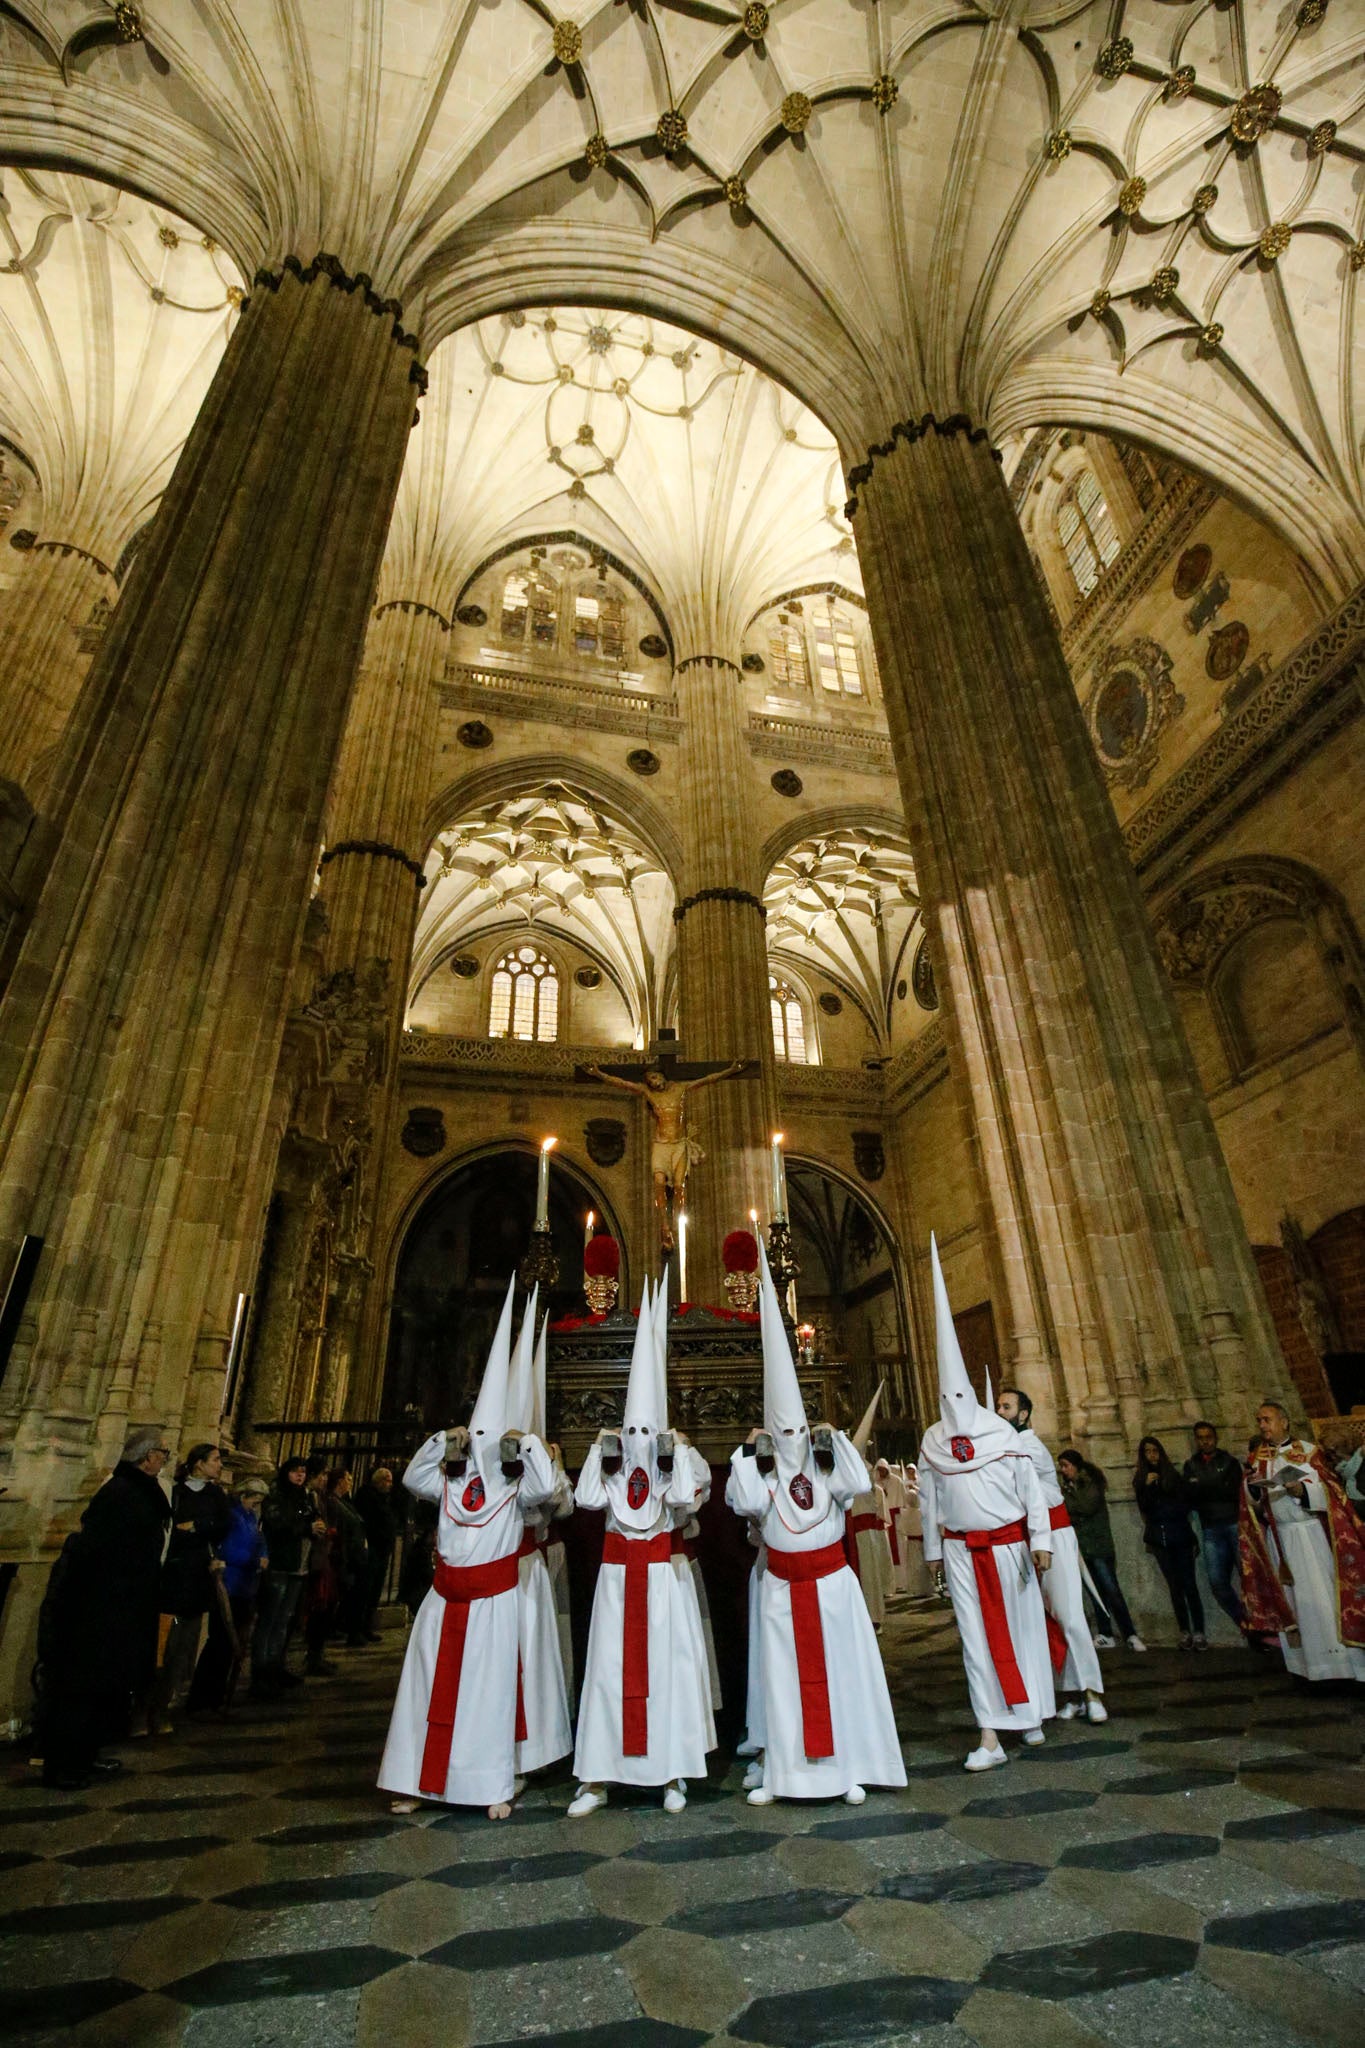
(1131, 701)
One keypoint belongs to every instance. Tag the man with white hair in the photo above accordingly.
(1299, 1581)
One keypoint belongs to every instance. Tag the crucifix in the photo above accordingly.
(663, 1080)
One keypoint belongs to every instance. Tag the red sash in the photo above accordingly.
(893, 1538)
(854, 1525)
(459, 1586)
(637, 1554)
(801, 1570)
(1059, 1518)
(531, 1541)
(981, 1543)
(683, 1546)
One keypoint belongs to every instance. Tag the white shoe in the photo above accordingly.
(1104, 1642)
(754, 1775)
(854, 1796)
(675, 1800)
(1136, 1643)
(1033, 1737)
(1069, 1710)
(748, 1748)
(1096, 1711)
(588, 1800)
(761, 1796)
(988, 1759)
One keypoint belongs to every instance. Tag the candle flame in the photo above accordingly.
(777, 1138)
(753, 1215)
(548, 1144)
(591, 1219)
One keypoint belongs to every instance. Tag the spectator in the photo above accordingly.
(320, 1600)
(1214, 1478)
(382, 1515)
(1163, 1500)
(200, 1519)
(1084, 1487)
(350, 1558)
(97, 1631)
(291, 1521)
(419, 1559)
(243, 1555)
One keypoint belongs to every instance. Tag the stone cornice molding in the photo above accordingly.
(560, 701)
(512, 1056)
(375, 849)
(911, 431)
(416, 606)
(918, 1067)
(1313, 694)
(342, 280)
(744, 896)
(773, 738)
(857, 1090)
(28, 542)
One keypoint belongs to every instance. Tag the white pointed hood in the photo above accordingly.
(634, 1491)
(521, 1377)
(862, 1435)
(967, 1433)
(489, 1419)
(539, 1402)
(784, 1412)
(661, 1346)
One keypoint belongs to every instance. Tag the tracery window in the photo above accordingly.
(836, 654)
(1085, 527)
(524, 1002)
(530, 601)
(787, 653)
(789, 1023)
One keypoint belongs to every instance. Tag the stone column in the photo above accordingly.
(723, 1008)
(42, 659)
(1128, 1296)
(141, 1030)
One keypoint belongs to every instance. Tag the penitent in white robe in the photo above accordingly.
(482, 1768)
(873, 1569)
(680, 1722)
(867, 1750)
(989, 1496)
(544, 1689)
(1319, 1652)
(1063, 1593)
(911, 1527)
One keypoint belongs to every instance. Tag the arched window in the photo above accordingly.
(789, 1024)
(836, 653)
(515, 605)
(525, 997)
(787, 653)
(529, 601)
(1085, 527)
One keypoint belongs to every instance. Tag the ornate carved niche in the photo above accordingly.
(1132, 700)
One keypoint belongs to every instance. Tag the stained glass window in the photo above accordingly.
(836, 654)
(789, 1024)
(787, 653)
(524, 1002)
(1085, 527)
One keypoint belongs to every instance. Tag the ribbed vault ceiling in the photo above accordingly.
(843, 903)
(1035, 210)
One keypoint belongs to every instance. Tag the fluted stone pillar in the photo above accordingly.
(723, 1007)
(42, 661)
(141, 1030)
(1126, 1293)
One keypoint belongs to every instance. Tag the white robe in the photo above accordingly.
(989, 1496)
(893, 1486)
(754, 1726)
(689, 1529)
(874, 1573)
(482, 1769)
(1063, 1593)
(681, 1726)
(544, 1690)
(866, 1748)
(1319, 1652)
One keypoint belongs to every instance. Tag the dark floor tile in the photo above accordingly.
(950, 1767)
(1073, 1752)
(1019, 1805)
(333, 1790)
(171, 1849)
(1101, 1964)
(193, 1802)
(62, 2005)
(804, 1908)
(703, 1848)
(12, 1815)
(1139, 1852)
(878, 2009)
(15, 1859)
(313, 1971)
(987, 1879)
(472, 1820)
(311, 1891)
(616, 2034)
(1202, 1732)
(312, 1834)
(211, 1766)
(88, 1916)
(1280, 1930)
(870, 1827)
(1300, 1824)
(553, 1941)
(516, 1870)
(1158, 1784)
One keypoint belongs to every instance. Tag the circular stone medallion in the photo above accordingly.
(1191, 569)
(1122, 712)
(1227, 650)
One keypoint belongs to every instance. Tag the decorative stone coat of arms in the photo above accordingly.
(869, 1155)
(424, 1133)
(605, 1137)
(1131, 701)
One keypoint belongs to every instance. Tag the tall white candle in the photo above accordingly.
(682, 1254)
(587, 1227)
(543, 1185)
(779, 1186)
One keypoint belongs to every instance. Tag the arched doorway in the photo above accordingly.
(851, 1287)
(471, 1232)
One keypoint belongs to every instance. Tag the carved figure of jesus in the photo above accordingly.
(672, 1151)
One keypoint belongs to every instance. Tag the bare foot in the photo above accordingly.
(500, 1810)
(404, 1805)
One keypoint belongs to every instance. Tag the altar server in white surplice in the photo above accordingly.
(544, 1693)
(644, 1713)
(987, 1533)
(1063, 1593)
(828, 1724)
(457, 1715)
(865, 1531)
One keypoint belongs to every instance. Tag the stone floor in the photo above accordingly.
(1193, 1872)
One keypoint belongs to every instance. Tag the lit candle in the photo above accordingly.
(543, 1184)
(753, 1218)
(779, 1189)
(587, 1227)
(682, 1255)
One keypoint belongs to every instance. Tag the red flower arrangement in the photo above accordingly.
(602, 1258)
(739, 1253)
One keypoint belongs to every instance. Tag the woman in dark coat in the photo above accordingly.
(201, 1517)
(1163, 1499)
(97, 1632)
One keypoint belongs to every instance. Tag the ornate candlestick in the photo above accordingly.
(782, 1254)
(540, 1267)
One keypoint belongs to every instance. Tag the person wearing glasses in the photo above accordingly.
(97, 1632)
